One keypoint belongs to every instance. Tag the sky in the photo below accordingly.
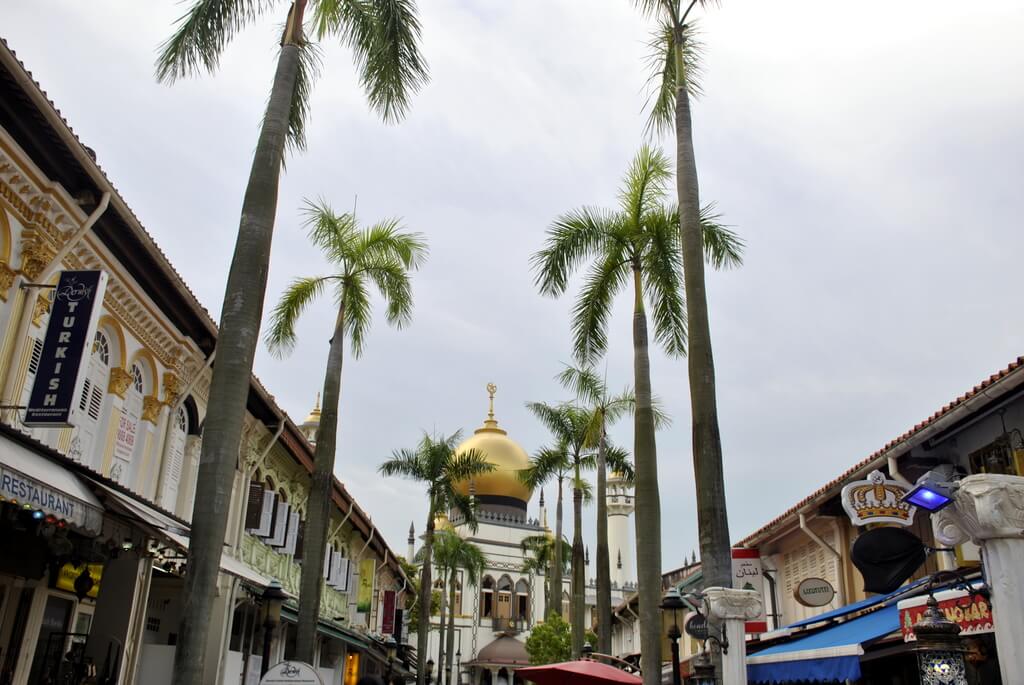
(869, 155)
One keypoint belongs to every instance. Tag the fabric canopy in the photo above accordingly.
(829, 655)
(582, 672)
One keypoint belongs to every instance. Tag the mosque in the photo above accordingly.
(494, 617)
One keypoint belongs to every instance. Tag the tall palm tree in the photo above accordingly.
(539, 556)
(604, 409)
(551, 464)
(435, 463)
(675, 80)
(380, 256)
(636, 244)
(470, 559)
(443, 550)
(384, 38)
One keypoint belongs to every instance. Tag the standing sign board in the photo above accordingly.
(74, 313)
(747, 575)
(293, 673)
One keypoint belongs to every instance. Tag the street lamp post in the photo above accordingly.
(940, 657)
(703, 670)
(673, 601)
(458, 665)
(273, 597)
(390, 647)
(430, 670)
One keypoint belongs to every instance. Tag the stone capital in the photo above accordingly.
(151, 406)
(728, 603)
(986, 506)
(120, 381)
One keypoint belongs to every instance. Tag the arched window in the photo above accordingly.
(504, 597)
(91, 416)
(487, 597)
(521, 606)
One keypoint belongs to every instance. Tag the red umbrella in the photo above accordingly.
(577, 673)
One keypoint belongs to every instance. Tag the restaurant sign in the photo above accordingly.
(972, 613)
(74, 313)
(20, 489)
(293, 673)
(747, 575)
(814, 592)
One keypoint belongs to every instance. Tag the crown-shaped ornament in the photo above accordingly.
(877, 500)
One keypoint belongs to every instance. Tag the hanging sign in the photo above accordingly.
(387, 623)
(74, 313)
(877, 500)
(365, 595)
(747, 575)
(972, 614)
(696, 626)
(814, 592)
(293, 673)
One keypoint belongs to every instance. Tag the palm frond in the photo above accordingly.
(202, 33)
(354, 297)
(605, 279)
(572, 239)
(583, 383)
(645, 184)
(546, 464)
(553, 417)
(310, 62)
(405, 463)
(663, 286)
(388, 239)
(468, 465)
(618, 461)
(655, 8)
(723, 248)
(333, 233)
(280, 336)
(662, 84)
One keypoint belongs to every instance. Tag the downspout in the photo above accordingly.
(894, 472)
(772, 590)
(161, 482)
(24, 316)
(841, 590)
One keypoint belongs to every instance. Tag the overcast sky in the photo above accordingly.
(871, 155)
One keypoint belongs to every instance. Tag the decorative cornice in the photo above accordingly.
(727, 603)
(986, 506)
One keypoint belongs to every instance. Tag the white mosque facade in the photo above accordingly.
(494, 617)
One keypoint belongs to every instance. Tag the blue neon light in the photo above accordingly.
(927, 499)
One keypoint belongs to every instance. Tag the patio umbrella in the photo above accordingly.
(577, 673)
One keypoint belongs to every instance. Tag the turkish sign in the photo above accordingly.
(293, 673)
(365, 596)
(747, 575)
(877, 500)
(68, 574)
(387, 623)
(17, 487)
(972, 614)
(74, 312)
(814, 592)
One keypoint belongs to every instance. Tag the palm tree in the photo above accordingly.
(676, 68)
(383, 36)
(380, 256)
(637, 244)
(604, 409)
(436, 464)
(539, 559)
(470, 558)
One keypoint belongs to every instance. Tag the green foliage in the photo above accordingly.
(550, 642)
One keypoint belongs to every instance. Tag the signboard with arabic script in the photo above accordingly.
(293, 673)
(972, 614)
(747, 575)
(74, 313)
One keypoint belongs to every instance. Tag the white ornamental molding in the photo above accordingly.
(877, 500)
(726, 603)
(986, 506)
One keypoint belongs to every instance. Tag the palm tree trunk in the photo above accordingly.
(425, 597)
(648, 500)
(441, 625)
(236, 344)
(712, 517)
(578, 578)
(556, 571)
(450, 645)
(604, 574)
(318, 508)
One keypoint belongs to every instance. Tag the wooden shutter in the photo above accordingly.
(300, 537)
(254, 506)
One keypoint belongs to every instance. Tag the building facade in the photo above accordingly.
(95, 519)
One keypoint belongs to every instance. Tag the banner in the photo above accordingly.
(387, 623)
(365, 596)
(972, 613)
(74, 313)
(747, 575)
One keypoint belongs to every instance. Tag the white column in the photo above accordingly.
(988, 509)
(734, 608)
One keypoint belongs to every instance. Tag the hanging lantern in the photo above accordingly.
(703, 670)
(940, 653)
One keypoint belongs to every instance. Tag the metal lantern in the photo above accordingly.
(703, 670)
(673, 601)
(940, 653)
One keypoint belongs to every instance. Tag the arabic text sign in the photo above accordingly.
(291, 673)
(74, 312)
(747, 575)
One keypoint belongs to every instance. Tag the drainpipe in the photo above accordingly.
(161, 482)
(772, 596)
(840, 591)
(894, 472)
(24, 316)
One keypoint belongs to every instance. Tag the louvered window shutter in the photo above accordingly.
(254, 507)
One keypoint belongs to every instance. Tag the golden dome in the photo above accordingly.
(506, 455)
(314, 416)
